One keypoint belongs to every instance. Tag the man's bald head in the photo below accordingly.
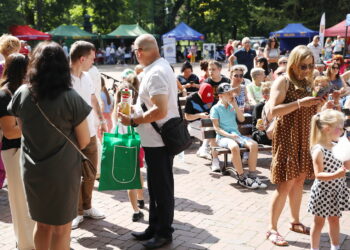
(146, 42)
(146, 49)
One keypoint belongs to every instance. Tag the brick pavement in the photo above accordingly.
(211, 212)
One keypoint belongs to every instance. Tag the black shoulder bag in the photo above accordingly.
(174, 133)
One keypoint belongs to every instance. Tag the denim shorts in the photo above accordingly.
(241, 141)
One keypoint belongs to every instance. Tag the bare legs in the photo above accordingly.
(136, 194)
(253, 154)
(334, 230)
(293, 189)
(52, 237)
(236, 156)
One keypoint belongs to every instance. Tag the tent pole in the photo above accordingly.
(346, 38)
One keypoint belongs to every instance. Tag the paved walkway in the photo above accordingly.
(212, 212)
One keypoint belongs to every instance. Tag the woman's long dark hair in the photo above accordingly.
(265, 66)
(49, 73)
(14, 71)
(270, 40)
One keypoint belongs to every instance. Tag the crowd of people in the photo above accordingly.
(295, 107)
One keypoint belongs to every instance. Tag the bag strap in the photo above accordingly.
(154, 124)
(60, 131)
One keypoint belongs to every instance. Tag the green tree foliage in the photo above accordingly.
(219, 20)
(9, 14)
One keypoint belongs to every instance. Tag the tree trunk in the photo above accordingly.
(39, 4)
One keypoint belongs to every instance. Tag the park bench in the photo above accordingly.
(245, 128)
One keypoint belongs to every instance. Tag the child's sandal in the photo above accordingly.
(299, 228)
(276, 238)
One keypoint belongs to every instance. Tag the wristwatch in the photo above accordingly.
(132, 123)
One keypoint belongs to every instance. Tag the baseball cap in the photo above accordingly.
(206, 92)
(224, 88)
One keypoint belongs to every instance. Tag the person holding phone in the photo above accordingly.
(291, 102)
(188, 80)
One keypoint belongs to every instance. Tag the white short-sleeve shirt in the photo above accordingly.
(85, 88)
(158, 79)
(316, 51)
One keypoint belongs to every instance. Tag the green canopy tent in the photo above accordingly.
(71, 32)
(126, 31)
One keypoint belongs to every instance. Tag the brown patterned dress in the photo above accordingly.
(290, 151)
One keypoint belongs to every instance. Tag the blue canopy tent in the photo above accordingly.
(294, 34)
(184, 32)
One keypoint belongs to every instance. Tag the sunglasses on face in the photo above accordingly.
(335, 67)
(310, 66)
(238, 76)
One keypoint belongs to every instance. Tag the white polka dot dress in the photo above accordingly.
(329, 198)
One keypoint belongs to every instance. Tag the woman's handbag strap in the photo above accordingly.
(60, 131)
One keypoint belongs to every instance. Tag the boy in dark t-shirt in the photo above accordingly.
(215, 78)
(198, 107)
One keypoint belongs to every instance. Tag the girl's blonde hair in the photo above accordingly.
(299, 54)
(9, 44)
(328, 117)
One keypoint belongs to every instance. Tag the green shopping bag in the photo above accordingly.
(120, 162)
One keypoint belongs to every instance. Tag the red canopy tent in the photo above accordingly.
(24, 32)
(336, 30)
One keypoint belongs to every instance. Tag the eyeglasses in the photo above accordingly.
(307, 66)
(238, 76)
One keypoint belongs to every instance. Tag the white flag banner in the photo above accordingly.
(322, 28)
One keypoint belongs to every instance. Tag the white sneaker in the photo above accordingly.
(261, 184)
(248, 183)
(75, 223)
(93, 213)
(215, 165)
(245, 158)
(204, 153)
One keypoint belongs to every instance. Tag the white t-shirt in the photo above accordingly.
(85, 88)
(108, 51)
(338, 45)
(96, 80)
(158, 79)
(316, 51)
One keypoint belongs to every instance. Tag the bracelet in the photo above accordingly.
(298, 101)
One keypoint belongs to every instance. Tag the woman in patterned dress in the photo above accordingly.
(329, 193)
(292, 105)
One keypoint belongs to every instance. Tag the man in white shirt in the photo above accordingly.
(96, 80)
(158, 91)
(338, 46)
(82, 55)
(315, 48)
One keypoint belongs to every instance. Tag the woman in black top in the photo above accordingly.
(14, 73)
(189, 80)
(51, 165)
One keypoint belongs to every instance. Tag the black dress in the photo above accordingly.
(51, 165)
